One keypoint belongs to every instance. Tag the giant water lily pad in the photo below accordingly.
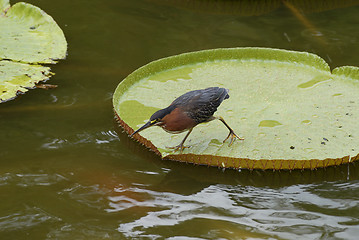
(28, 37)
(292, 110)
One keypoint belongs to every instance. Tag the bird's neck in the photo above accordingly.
(168, 110)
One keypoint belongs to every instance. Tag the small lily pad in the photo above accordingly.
(28, 37)
(278, 101)
(20, 77)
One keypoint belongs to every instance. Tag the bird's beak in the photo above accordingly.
(147, 125)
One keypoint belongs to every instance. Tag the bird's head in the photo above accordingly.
(155, 119)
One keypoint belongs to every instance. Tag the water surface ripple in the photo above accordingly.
(309, 211)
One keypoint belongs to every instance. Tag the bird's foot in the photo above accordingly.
(179, 147)
(233, 136)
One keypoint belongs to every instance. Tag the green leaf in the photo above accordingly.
(20, 77)
(28, 37)
(291, 110)
(4, 4)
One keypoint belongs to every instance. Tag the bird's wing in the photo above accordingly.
(200, 105)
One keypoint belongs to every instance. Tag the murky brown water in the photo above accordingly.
(66, 174)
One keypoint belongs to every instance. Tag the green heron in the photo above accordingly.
(189, 110)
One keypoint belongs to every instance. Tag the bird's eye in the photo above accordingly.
(154, 121)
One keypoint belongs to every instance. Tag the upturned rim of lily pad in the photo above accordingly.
(266, 54)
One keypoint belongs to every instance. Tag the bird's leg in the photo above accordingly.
(181, 146)
(231, 132)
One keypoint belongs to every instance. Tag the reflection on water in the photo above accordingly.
(271, 212)
(66, 174)
(102, 137)
(169, 201)
(30, 180)
(27, 218)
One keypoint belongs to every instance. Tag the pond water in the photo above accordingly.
(65, 172)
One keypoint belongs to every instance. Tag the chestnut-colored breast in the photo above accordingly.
(177, 121)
